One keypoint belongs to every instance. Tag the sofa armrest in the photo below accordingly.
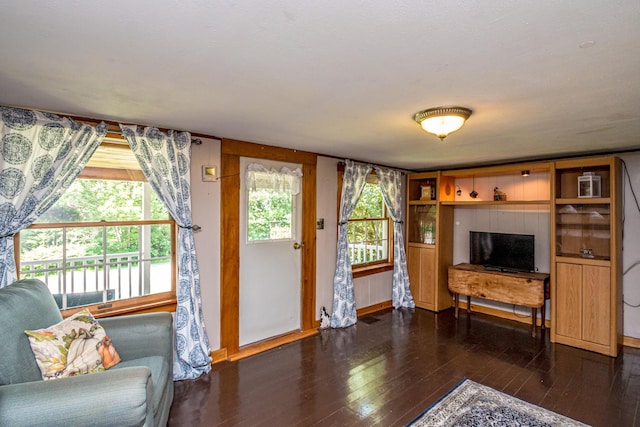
(117, 397)
(141, 335)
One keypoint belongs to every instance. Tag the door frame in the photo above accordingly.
(231, 151)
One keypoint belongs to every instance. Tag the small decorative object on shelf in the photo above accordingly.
(587, 253)
(426, 192)
(589, 185)
(427, 233)
(499, 196)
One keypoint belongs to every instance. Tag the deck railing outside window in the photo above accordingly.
(368, 240)
(366, 252)
(67, 260)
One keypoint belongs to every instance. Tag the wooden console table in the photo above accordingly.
(526, 289)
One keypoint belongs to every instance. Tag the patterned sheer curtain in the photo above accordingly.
(344, 303)
(390, 182)
(284, 181)
(165, 160)
(41, 155)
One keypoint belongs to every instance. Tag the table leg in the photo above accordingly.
(544, 316)
(468, 304)
(534, 315)
(456, 298)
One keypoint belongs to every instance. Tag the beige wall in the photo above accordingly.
(206, 205)
(326, 240)
(631, 248)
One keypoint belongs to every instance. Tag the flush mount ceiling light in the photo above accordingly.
(441, 121)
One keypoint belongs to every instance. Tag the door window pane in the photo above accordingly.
(270, 215)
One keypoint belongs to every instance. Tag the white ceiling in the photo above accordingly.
(339, 77)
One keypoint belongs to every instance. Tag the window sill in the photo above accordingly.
(368, 270)
(168, 305)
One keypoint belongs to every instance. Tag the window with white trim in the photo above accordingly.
(369, 229)
(107, 243)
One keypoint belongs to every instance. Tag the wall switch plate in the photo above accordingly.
(320, 224)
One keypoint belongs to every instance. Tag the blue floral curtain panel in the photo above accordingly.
(41, 155)
(165, 159)
(344, 303)
(390, 182)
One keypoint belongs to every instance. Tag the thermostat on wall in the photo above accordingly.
(209, 173)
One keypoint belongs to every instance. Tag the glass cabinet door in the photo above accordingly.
(583, 231)
(422, 224)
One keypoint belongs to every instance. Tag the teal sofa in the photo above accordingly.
(136, 392)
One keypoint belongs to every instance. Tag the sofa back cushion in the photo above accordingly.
(25, 304)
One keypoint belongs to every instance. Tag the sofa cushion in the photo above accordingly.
(159, 367)
(77, 345)
(26, 304)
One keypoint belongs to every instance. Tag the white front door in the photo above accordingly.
(270, 259)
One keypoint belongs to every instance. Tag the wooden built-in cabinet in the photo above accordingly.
(585, 238)
(429, 243)
(431, 200)
(586, 301)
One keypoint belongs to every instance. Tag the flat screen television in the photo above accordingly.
(502, 252)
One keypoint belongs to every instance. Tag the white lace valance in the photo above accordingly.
(285, 180)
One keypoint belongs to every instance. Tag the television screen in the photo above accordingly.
(501, 251)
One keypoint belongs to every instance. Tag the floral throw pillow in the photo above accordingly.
(77, 345)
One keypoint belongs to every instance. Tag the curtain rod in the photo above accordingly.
(404, 171)
(114, 128)
(118, 131)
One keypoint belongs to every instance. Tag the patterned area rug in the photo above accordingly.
(473, 404)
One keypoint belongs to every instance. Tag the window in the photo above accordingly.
(370, 232)
(270, 215)
(271, 202)
(108, 242)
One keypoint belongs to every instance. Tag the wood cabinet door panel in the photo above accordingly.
(596, 304)
(569, 300)
(428, 273)
(414, 270)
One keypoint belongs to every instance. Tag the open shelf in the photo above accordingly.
(578, 259)
(496, 202)
(567, 182)
(575, 259)
(422, 202)
(422, 189)
(583, 201)
(513, 169)
(421, 245)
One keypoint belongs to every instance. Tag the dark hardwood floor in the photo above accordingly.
(392, 365)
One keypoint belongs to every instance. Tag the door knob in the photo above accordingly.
(297, 245)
